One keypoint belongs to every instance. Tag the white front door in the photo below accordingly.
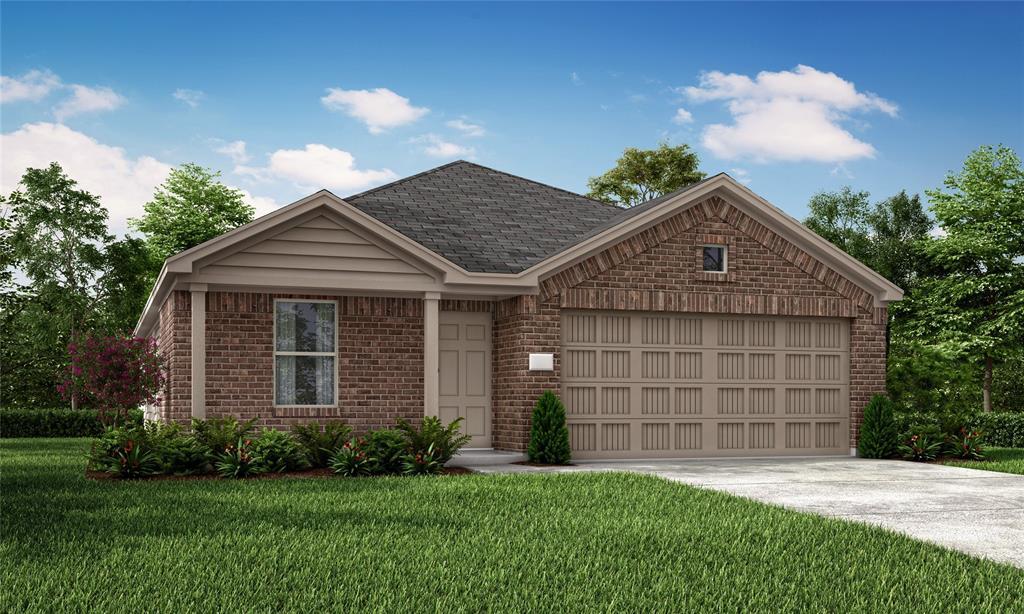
(464, 373)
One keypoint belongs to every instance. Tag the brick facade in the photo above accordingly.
(380, 340)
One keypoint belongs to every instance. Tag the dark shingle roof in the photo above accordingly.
(482, 219)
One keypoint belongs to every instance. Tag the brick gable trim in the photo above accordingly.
(710, 208)
(706, 302)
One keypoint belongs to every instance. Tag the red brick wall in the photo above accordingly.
(380, 360)
(174, 342)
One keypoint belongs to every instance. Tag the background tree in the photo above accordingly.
(842, 219)
(190, 207)
(642, 174)
(124, 284)
(975, 305)
(57, 232)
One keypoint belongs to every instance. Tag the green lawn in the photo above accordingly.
(1005, 460)
(571, 542)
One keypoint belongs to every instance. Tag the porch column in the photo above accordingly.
(198, 350)
(431, 315)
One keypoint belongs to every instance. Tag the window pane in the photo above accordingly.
(714, 259)
(305, 327)
(304, 380)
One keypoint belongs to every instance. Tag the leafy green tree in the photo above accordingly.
(975, 306)
(124, 284)
(899, 228)
(56, 235)
(192, 206)
(842, 219)
(642, 174)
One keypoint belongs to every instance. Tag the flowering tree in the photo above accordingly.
(115, 374)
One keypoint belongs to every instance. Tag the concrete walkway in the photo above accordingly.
(977, 512)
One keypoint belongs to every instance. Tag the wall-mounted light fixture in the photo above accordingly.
(542, 362)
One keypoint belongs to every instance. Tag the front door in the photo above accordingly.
(465, 373)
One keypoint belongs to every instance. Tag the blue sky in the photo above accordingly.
(791, 98)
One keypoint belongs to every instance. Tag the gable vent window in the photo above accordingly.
(715, 258)
(304, 352)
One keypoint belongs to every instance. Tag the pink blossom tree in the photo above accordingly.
(115, 374)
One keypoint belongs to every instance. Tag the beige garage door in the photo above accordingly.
(655, 385)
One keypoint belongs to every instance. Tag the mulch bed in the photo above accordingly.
(322, 472)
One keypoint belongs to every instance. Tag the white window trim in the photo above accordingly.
(276, 353)
(725, 258)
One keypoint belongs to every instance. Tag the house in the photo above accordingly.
(702, 323)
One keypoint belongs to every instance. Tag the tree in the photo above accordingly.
(192, 206)
(886, 236)
(975, 305)
(124, 284)
(116, 373)
(56, 236)
(640, 175)
(842, 219)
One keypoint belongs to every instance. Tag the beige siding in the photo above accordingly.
(317, 251)
(641, 385)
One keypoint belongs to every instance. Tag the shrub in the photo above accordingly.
(549, 435)
(1001, 429)
(124, 452)
(421, 462)
(921, 448)
(939, 425)
(966, 445)
(320, 444)
(114, 374)
(385, 448)
(177, 452)
(351, 459)
(275, 451)
(442, 442)
(237, 460)
(878, 434)
(49, 423)
(218, 434)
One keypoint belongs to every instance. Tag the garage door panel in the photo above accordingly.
(640, 385)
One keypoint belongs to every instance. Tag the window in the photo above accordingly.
(304, 353)
(714, 258)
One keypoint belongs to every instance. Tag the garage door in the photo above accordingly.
(655, 385)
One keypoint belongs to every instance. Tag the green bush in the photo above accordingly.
(423, 462)
(177, 452)
(385, 448)
(966, 445)
(319, 444)
(938, 425)
(549, 435)
(55, 422)
(351, 459)
(124, 452)
(878, 434)
(220, 433)
(1001, 429)
(275, 451)
(434, 439)
(237, 460)
(921, 448)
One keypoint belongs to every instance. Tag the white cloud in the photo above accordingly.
(234, 150)
(190, 97)
(682, 116)
(787, 115)
(434, 145)
(85, 99)
(466, 128)
(575, 78)
(740, 174)
(379, 109)
(317, 166)
(262, 204)
(33, 86)
(122, 183)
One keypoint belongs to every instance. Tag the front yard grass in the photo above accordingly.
(1005, 460)
(523, 543)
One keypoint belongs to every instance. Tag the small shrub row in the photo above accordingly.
(55, 422)
(918, 437)
(1002, 429)
(233, 449)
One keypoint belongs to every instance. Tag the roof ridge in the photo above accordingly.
(404, 179)
(535, 182)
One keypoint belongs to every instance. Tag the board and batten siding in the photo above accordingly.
(318, 251)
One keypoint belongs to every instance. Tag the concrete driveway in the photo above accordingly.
(977, 512)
